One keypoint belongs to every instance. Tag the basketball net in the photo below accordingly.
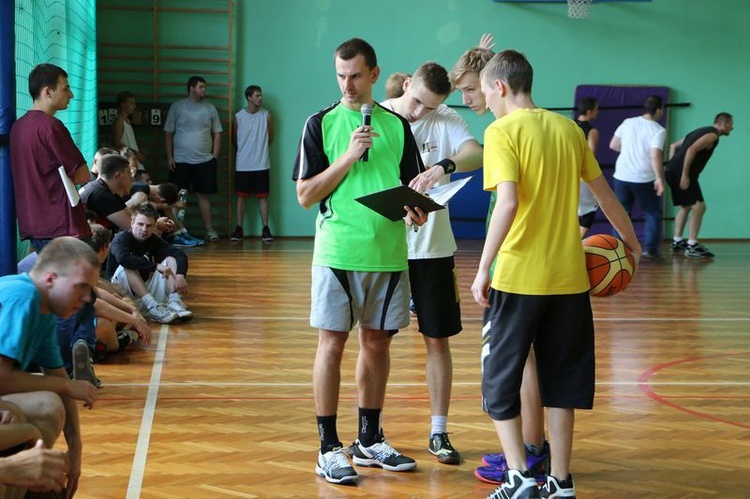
(579, 9)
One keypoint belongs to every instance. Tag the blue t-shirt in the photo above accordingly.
(26, 336)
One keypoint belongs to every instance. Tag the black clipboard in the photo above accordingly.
(390, 202)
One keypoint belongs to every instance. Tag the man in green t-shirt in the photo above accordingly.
(359, 271)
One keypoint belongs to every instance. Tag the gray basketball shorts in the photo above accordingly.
(342, 298)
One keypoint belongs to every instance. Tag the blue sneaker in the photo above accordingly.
(189, 237)
(495, 466)
(182, 241)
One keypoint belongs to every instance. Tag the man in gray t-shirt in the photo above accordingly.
(192, 136)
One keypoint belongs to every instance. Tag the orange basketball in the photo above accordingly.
(609, 263)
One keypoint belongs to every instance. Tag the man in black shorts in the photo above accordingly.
(192, 137)
(252, 132)
(445, 145)
(537, 297)
(687, 159)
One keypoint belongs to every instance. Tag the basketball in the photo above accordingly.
(609, 263)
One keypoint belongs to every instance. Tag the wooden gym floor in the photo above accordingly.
(221, 407)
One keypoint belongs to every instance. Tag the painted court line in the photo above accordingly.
(479, 319)
(149, 408)
(472, 383)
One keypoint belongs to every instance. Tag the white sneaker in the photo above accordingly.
(335, 467)
(212, 236)
(179, 308)
(160, 313)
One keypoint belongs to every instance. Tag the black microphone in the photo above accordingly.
(366, 118)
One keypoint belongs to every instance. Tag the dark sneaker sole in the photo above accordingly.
(699, 257)
(82, 370)
(446, 459)
(184, 317)
(486, 480)
(373, 463)
(349, 479)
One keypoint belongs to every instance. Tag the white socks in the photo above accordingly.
(439, 424)
(149, 301)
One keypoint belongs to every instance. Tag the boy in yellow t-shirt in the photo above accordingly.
(535, 160)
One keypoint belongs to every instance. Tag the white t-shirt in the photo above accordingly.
(193, 125)
(128, 135)
(439, 135)
(252, 141)
(586, 202)
(638, 136)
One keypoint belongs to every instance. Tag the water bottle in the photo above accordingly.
(181, 211)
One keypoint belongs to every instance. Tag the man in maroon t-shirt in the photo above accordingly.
(39, 145)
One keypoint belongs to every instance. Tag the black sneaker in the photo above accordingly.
(383, 455)
(652, 257)
(441, 447)
(679, 246)
(517, 485)
(335, 467)
(237, 235)
(697, 250)
(558, 488)
(265, 234)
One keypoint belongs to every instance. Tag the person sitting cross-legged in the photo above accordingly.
(158, 286)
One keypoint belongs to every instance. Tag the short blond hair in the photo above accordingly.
(394, 85)
(62, 255)
(471, 61)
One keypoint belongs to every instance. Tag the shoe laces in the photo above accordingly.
(498, 493)
(442, 443)
(178, 303)
(382, 450)
(336, 459)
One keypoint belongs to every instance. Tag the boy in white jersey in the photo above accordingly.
(446, 145)
(252, 134)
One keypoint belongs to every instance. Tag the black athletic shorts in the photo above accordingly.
(560, 327)
(686, 197)
(199, 178)
(587, 220)
(435, 293)
(255, 183)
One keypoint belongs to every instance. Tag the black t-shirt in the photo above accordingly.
(101, 200)
(140, 187)
(585, 126)
(674, 167)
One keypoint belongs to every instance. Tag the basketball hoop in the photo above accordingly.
(579, 9)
